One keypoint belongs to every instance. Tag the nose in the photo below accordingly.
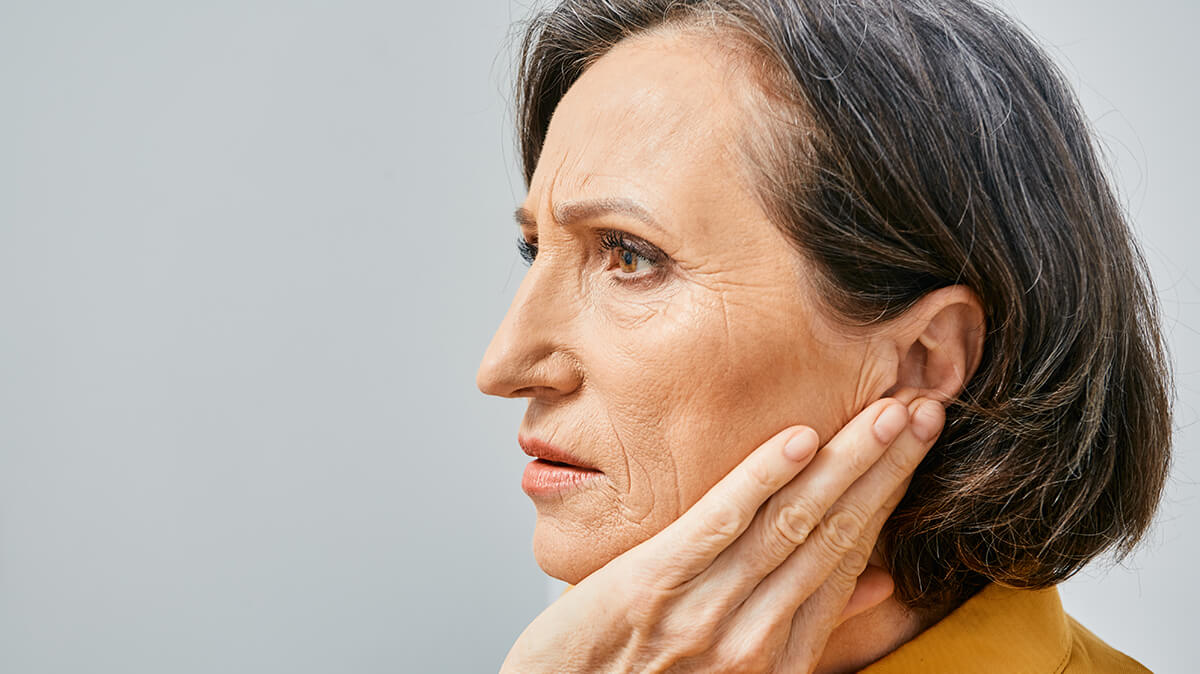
(530, 355)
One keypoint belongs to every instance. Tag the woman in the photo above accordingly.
(879, 226)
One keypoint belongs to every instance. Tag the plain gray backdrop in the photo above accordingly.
(251, 254)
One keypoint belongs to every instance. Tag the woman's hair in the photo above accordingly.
(908, 145)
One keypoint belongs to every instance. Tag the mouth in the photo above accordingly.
(552, 455)
(553, 470)
(543, 477)
(561, 464)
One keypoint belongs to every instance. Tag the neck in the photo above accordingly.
(872, 634)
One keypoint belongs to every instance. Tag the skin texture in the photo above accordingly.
(666, 383)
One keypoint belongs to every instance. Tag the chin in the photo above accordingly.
(569, 557)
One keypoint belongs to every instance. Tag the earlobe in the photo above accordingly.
(873, 586)
(940, 340)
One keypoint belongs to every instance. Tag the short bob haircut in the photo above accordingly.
(908, 145)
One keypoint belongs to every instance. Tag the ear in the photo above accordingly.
(872, 587)
(940, 343)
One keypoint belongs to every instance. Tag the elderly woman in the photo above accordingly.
(838, 350)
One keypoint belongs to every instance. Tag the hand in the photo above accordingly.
(756, 574)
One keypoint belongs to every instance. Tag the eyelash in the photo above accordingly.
(610, 240)
(527, 250)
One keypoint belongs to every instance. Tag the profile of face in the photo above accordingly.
(666, 327)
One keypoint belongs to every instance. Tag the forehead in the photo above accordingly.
(654, 116)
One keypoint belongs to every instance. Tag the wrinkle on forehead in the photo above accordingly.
(626, 97)
(659, 117)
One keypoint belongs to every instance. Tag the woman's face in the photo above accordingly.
(661, 372)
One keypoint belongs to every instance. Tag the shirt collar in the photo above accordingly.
(999, 629)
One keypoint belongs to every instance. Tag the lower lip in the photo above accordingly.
(542, 477)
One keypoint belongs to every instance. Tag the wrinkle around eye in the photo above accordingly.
(631, 312)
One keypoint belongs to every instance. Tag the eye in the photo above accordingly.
(628, 260)
(630, 254)
(527, 249)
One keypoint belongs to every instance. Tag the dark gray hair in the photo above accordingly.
(910, 145)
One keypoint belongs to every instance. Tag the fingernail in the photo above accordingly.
(801, 445)
(890, 422)
(927, 420)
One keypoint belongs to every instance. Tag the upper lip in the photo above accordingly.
(543, 450)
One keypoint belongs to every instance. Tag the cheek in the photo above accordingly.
(766, 372)
(695, 383)
(647, 354)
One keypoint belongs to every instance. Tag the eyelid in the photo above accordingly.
(612, 239)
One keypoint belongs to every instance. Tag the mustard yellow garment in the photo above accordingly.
(1010, 631)
(1006, 631)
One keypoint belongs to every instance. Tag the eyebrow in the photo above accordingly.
(570, 212)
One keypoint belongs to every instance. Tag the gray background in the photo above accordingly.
(251, 254)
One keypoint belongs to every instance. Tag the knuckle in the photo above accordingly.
(842, 529)
(688, 638)
(795, 520)
(642, 613)
(652, 580)
(764, 646)
(742, 657)
(760, 477)
(721, 522)
(857, 460)
(844, 581)
(710, 616)
(642, 616)
(690, 627)
(896, 463)
(695, 632)
(855, 562)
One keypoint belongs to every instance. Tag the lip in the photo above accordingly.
(553, 470)
(540, 449)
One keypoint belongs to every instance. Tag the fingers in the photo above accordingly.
(833, 602)
(792, 514)
(808, 629)
(766, 562)
(829, 605)
(877, 488)
(698, 536)
(842, 543)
